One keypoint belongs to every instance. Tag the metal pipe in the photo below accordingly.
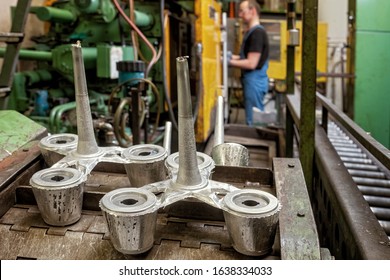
(56, 113)
(168, 137)
(87, 144)
(369, 167)
(356, 160)
(342, 141)
(143, 19)
(381, 213)
(377, 191)
(344, 145)
(372, 182)
(385, 225)
(368, 174)
(351, 155)
(346, 149)
(377, 201)
(31, 54)
(225, 64)
(134, 113)
(219, 135)
(188, 174)
(54, 14)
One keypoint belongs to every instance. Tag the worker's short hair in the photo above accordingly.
(253, 4)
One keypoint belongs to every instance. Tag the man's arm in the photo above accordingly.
(249, 63)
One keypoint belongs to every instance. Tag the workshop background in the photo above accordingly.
(122, 132)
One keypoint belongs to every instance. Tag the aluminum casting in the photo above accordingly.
(130, 213)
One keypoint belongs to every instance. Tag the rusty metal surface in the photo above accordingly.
(16, 170)
(298, 232)
(347, 226)
(13, 165)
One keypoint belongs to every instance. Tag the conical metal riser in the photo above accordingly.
(87, 143)
(188, 174)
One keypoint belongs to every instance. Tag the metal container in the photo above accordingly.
(59, 195)
(131, 218)
(146, 164)
(251, 218)
(231, 154)
(52, 144)
(205, 164)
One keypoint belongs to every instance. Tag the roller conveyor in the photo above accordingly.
(373, 182)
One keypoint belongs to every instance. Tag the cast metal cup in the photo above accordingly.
(131, 219)
(251, 217)
(52, 144)
(59, 195)
(231, 154)
(205, 164)
(146, 164)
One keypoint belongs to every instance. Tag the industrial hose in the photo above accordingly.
(119, 127)
(132, 24)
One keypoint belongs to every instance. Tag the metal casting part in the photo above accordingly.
(131, 213)
(232, 154)
(59, 195)
(146, 164)
(55, 147)
(188, 174)
(205, 164)
(87, 145)
(131, 218)
(251, 217)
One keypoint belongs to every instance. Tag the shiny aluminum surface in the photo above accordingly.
(59, 195)
(251, 217)
(54, 147)
(131, 219)
(231, 154)
(146, 164)
(131, 213)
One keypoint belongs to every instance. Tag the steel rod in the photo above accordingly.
(377, 201)
(372, 182)
(369, 167)
(377, 191)
(367, 174)
(219, 123)
(168, 137)
(386, 226)
(381, 213)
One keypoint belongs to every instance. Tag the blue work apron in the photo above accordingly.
(254, 83)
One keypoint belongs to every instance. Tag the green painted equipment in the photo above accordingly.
(372, 99)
